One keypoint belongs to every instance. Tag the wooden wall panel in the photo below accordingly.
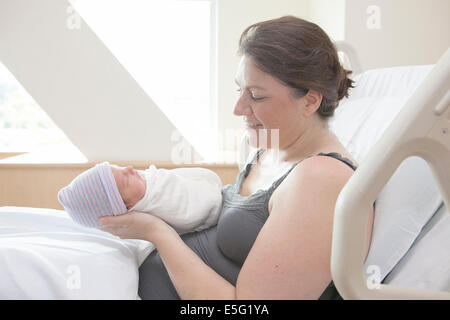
(36, 185)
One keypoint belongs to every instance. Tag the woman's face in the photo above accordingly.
(266, 103)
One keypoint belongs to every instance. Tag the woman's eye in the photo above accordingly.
(239, 90)
(256, 98)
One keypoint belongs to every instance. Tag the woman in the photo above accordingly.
(273, 238)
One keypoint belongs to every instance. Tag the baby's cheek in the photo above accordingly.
(141, 190)
(121, 192)
(124, 196)
(137, 192)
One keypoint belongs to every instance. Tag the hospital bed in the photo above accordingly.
(396, 123)
(44, 255)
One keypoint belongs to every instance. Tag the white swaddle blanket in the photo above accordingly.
(189, 199)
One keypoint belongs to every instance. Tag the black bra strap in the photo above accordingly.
(331, 154)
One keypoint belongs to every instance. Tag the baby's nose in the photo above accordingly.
(129, 169)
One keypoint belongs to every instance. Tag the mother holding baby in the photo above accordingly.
(273, 237)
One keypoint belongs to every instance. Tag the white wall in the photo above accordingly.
(398, 32)
(329, 15)
(80, 84)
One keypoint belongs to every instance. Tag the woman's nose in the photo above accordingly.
(242, 107)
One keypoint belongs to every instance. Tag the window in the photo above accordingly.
(168, 48)
(25, 127)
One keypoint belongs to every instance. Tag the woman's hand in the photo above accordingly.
(134, 225)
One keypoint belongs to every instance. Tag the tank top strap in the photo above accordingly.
(254, 160)
(277, 182)
(331, 154)
(338, 156)
(246, 170)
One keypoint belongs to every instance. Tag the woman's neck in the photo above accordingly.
(312, 140)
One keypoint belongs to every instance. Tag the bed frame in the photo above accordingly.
(422, 128)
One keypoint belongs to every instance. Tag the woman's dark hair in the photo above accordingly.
(299, 54)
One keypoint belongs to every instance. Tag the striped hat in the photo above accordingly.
(92, 194)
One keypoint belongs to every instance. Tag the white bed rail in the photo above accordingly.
(352, 57)
(422, 128)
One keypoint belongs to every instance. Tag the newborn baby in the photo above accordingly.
(189, 199)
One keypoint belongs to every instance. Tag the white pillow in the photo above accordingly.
(427, 264)
(411, 196)
(360, 123)
(403, 208)
(378, 96)
(45, 255)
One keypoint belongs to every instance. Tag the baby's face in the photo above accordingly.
(130, 183)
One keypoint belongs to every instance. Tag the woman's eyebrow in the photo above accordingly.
(250, 87)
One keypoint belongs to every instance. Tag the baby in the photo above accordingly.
(189, 199)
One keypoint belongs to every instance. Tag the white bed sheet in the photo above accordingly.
(45, 255)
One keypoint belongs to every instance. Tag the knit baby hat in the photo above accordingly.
(92, 194)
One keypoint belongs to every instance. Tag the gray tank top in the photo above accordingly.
(243, 217)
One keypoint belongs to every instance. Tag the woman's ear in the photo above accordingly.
(313, 99)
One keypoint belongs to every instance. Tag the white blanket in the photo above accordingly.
(186, 198)
(45, 255)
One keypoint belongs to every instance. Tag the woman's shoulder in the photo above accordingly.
(318, 175)
(321, 168)
(338, 152)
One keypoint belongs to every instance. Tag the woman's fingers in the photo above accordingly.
(123, 226)
(132, 225)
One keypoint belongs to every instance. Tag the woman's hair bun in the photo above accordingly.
(345, 84)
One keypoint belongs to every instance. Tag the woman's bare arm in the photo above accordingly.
(290, 258)
(192, 278)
